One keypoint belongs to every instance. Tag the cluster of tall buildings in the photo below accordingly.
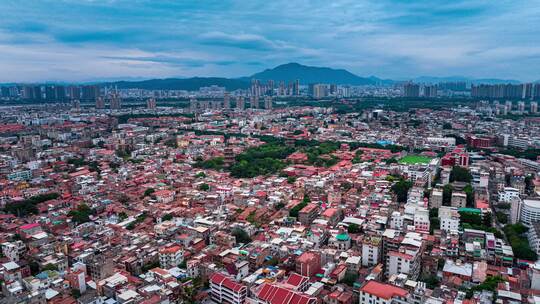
(53, 92)
(511, 91)
(508, 106)
(416, 90)
(457, 86)
(259, 89)
(240, 103)
(321, 90)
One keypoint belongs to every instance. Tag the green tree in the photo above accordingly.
(516, 235)
(149, 191)
(29, 206)
(353, 228)
(75, 293)
(167, 217)
(241, 236)
(431, 281)
(81, 214)
(447, 194)
(469, 191)
(216, 163)
(460, 174)
(502, 217)
(350, 279)
(49, 267)
(204, 187)
(122, 216)
(296, 209)
(401, 189)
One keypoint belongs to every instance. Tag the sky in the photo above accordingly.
(86, 40)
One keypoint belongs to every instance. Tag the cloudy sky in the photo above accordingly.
(80, 40)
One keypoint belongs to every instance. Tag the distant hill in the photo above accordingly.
(189, 84)
(310, 74)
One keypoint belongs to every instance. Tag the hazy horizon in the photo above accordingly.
(74, 41)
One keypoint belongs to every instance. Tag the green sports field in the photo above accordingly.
(415, 159)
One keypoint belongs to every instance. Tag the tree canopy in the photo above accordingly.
(401, 189)
(460, 174)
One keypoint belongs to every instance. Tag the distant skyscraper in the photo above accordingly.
(497, 109)
(74, 92)
(76, 104)
(268, 102)
(151, 103)
(296, 88)
(508, 105)
(411, 90)
(255, 87)
(534, 107)
(281, 89)
(240, 105)
(430, 91)
(254, 102)
(536, 91)
(90, 92)
(60, 93)
(116, 102)
(453, 86)
(333, 89)
(100, 103)
(320, 90)
(5, 92)
(511, 91)
(50, 93)
(226, 101)
(37, 93)
(527, 91)
(270, 88)
(521, 106)
(28, 92)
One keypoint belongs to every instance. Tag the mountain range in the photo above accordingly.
(286, 72)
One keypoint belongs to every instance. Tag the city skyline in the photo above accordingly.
(94, 40)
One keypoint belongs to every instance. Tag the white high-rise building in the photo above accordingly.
(530, 212)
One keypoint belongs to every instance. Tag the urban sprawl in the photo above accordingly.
(278, 193)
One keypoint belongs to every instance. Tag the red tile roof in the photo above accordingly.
(29, 226)
(384, 291)
(220, 279)
(272, 294)
(296, 279)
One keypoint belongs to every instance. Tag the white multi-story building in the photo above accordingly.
(440, 142)
(371, 251)
(406, 259)
(534, 237)
(374, 292)
(14, 250)
(449, 219)
(508, 194)
(225, 290)
(530, 212)
(396, 220)
(421, 219)
(171, 256)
